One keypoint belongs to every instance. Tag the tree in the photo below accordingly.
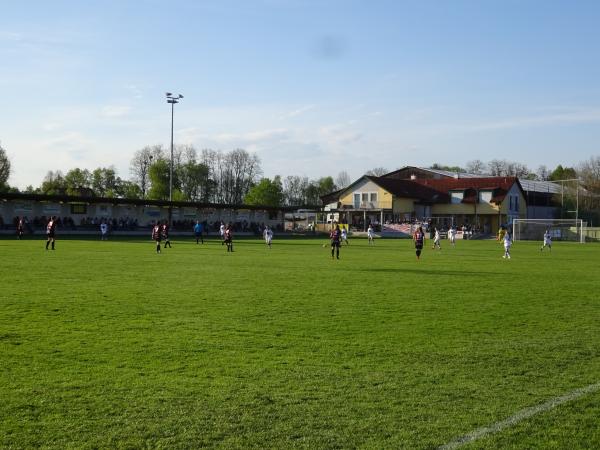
(266, 193)
(589, 171)
(294, 190)
(504, 168)
(194, 176)
(342, 180)
(377, 171)
(54, 184)
(158, 175)
(437, 166)
(231, 175)
(4, 168)
(129, 189)
(140, 166)
(106, 183)
(475, 166)
(563, 173)
(543, 173)
(78, 182)
(317, 188)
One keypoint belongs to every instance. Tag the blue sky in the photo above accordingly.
(313, 87)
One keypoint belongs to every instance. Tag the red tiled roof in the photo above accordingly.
(498, 185)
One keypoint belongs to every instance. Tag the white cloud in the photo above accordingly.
(115, 110)
(297, 112)
(591, 115)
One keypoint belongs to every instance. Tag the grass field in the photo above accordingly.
(107, 344)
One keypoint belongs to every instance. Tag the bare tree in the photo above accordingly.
(4, 167)
(476, 166)
(377, 171)
(543, 173)
(140, 165)
(294, 190)
(589, 172)
(496, 167)
(342, 180)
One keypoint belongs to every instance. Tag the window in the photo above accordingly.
(510, 205)
(78, 208)
(373, 196)
(365, 197)
(357, 200)
(456, 197)
(516, 203)
(485, 196)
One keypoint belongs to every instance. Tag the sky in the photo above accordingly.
(312, 87)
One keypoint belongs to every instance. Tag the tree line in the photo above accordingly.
(235, 177)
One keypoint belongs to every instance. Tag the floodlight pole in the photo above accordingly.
(172, 100)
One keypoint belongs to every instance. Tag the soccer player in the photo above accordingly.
(20, 228)
(436, 239)
(507, 243)
(268, 235)
(419, 240)
(103, 231)
(51, 232)
(335, 236)
(198, 231)
(165, 233)
(222, 232)
(370, 235)
(547, 241)
(156, 235)
(452, 235)
(345, 236)
(228, 237)
(501, 232)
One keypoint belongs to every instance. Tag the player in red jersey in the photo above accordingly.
(336, 241)
(156, 235)
(228, 237)
(419, 240)
(165, 233)
(51, 232)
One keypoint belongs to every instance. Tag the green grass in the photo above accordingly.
(107, 344)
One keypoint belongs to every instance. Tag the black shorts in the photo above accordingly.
(50, 235)
(157, 239)
(335, 243)
(419, 246)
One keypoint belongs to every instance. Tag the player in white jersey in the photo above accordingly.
(452, 235)
(547, 241)
(345, 236)
(507, 243)
(222, 232)
(436, 239)
(104, 231)
(268, 235)
(371, 235)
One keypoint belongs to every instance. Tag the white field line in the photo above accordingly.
(520, 416)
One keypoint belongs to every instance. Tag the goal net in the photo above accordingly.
(560, 229)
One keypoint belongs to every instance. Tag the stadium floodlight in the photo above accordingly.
(172, 100)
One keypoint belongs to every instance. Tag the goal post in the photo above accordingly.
(560, 229)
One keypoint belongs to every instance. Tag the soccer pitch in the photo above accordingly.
(107, 344)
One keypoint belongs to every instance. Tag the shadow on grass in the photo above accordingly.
(427, 271)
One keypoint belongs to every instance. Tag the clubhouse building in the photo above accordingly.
(414, 194)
